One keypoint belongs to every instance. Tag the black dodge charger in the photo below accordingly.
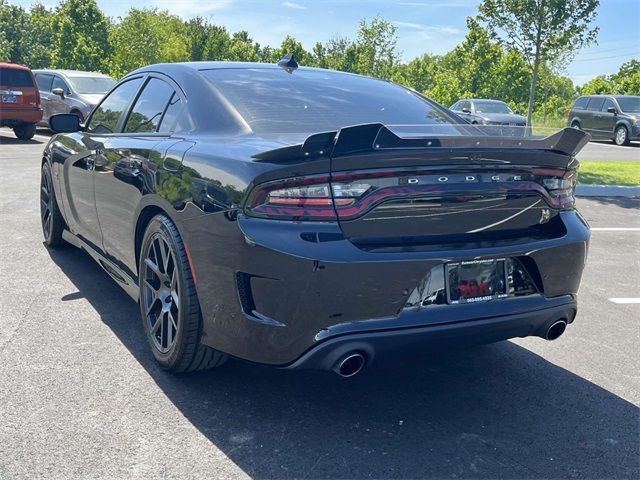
(307, 218)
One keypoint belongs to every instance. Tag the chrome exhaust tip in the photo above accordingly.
(350, 365)
(556, 330)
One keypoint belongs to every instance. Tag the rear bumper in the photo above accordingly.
(327, 354)
(11, 117)
(275, 292)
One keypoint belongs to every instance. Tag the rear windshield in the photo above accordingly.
(92, 84)
(629, 104)
(311, 101)
(491, 107)
(13, 77)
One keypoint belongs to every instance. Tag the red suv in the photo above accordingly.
(19, 100)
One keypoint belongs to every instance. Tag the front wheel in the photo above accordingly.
(25, 131)
(621, 136)
(168, 302)
(575, 125)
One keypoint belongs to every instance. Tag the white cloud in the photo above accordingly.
(428, 31)
(191, 8)
(296, 6)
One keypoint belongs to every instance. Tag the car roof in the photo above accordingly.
(222, 65)
(614, 95)
(14, 65)
(72, 73)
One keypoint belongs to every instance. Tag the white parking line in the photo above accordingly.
(615, 229)
(625, 300)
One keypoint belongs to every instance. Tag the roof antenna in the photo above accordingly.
(288, 63)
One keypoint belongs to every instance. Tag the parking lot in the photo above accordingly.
(81, 396)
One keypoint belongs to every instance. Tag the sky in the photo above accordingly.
(424, 26)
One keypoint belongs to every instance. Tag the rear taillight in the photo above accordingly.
(561, 189)
(304, 200)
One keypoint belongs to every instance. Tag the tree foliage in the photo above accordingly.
(543, 31)
(80, 36)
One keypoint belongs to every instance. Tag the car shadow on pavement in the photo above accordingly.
(4, 140)
(492, 411)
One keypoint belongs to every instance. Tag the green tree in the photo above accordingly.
(41, 37)
(14, 28)
(418, 74)
(599, 85)
(376, 48)
(542, 30)
(291, 45)
(628, 78)
(81, 36)
(147, 36)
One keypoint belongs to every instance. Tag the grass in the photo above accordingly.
(609, 173)
(549, 127)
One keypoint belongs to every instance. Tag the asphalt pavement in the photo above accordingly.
(81, 397)
(608, 151)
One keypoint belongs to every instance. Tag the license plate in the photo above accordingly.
(9, 99)
(476, 281)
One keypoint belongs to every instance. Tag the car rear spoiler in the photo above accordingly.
(376, 136)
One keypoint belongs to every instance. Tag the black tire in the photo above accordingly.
(621, 136)
(25, 131)
(168, 302)
(50, 216)
(575, 125)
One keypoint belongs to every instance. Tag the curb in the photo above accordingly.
(607, 191)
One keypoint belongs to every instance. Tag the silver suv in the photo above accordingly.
(70, 91)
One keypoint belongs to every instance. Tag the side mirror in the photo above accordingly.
(64, 123)
(466, 110)
(612, 110)
(58, 91)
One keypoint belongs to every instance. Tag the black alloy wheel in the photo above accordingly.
(168, 302)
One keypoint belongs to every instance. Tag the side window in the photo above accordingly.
(608, 103)
(170, 117)
(59, 83)
(581, 103)
(465, 104)
(44, 81)
(105, 117)
(455, 106)
(595, 104)
(149, 107)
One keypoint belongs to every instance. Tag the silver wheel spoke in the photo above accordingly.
(156, 324)
(154, 268)
(159, 280)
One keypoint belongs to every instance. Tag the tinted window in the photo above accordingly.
(491, 107)
(170, 117)
(44, 81)
(595, 104)
(13, 77)
(608, 103)
(92, 84)
(310, 101)
(629, 104)
(59, 83)
(105, 117)
(149, 107)
(581, 103)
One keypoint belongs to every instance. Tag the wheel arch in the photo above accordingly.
(145, 216)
